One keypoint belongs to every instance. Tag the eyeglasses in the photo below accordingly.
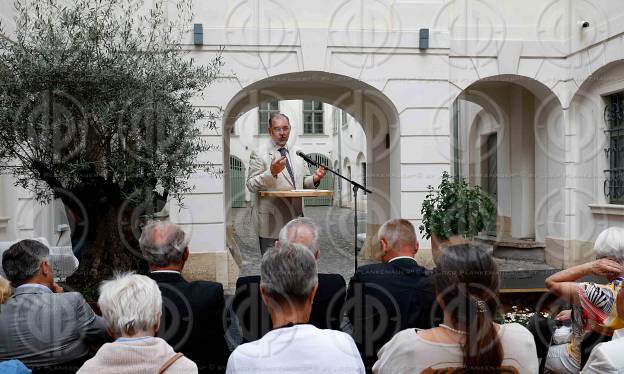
(281, 129)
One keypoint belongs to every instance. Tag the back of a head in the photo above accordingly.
(301, 230)
(130, 303)
(22, 260)
(398, 232)
(288, 273)
(162, 243)
(610, 244)
(466, 282)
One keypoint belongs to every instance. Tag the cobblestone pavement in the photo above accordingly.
(335, 239)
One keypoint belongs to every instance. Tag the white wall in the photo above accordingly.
(470, 41)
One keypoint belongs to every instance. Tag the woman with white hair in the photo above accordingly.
(131, 305)
(288, 283)
(594, 312)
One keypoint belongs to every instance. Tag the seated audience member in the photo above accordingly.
(14, 367)
(594, 316)
(466, 283)
(40, 325)
(607, 358)
(5, 290)
(131, 305)
(288, 286)
(386, 298)
(192, 319)
(328, 302)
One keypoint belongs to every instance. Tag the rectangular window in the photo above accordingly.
(344, 118)
(312, 117)
(614, 117)
(264, 113)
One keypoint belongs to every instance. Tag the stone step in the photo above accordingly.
(526, 249)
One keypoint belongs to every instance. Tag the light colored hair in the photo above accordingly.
(288, 272)
(5, 290)
(397, 232)
(130, 303)
(162, 243)
(292, 230)
(610, 243)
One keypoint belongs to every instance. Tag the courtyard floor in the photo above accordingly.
(336, 243)
(335, 239)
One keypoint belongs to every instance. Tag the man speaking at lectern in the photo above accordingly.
(276, 167)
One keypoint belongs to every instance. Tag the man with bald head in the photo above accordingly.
(192, 319)
(385, 298)
(327, 304)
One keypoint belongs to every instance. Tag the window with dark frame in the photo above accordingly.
(312, 117)
(614, 118)
(264, 113)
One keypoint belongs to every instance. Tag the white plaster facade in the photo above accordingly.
(525, 70)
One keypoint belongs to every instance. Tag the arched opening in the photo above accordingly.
(365, 104)
(506, 130)
(596, 118)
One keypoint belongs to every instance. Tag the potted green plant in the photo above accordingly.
(455, 212)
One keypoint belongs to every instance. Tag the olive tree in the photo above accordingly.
(96, 110)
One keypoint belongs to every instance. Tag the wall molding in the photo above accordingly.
(607, 209)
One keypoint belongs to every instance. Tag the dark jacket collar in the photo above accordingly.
(407, 265)
(167, 277)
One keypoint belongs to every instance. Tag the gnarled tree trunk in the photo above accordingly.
(102, 235)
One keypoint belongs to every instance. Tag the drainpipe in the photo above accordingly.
(456, 145)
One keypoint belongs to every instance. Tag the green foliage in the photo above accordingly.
(456, 209)
(98, 92)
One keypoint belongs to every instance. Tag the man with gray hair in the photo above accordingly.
(41, 325)
(192, 318)
(288, 285)
(275, 167)
(397, 294)
(328, 302)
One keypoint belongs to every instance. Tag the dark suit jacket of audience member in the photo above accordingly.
(193, 320)
(253, 316)
(384, 299)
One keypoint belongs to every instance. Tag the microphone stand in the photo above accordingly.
(356, 187)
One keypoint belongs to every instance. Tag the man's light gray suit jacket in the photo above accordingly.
(271, 214)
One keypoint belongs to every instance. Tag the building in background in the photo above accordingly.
(522, 98)
(326, 133)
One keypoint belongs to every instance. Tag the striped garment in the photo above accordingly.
(597, 312)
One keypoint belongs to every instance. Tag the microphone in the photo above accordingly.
(307, 159)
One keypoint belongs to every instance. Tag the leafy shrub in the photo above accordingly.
(455, 208)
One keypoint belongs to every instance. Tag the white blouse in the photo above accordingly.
(408, 352)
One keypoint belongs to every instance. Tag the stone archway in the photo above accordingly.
(525, 118)
(366, 104)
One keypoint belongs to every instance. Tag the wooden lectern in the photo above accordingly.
(296, 193)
